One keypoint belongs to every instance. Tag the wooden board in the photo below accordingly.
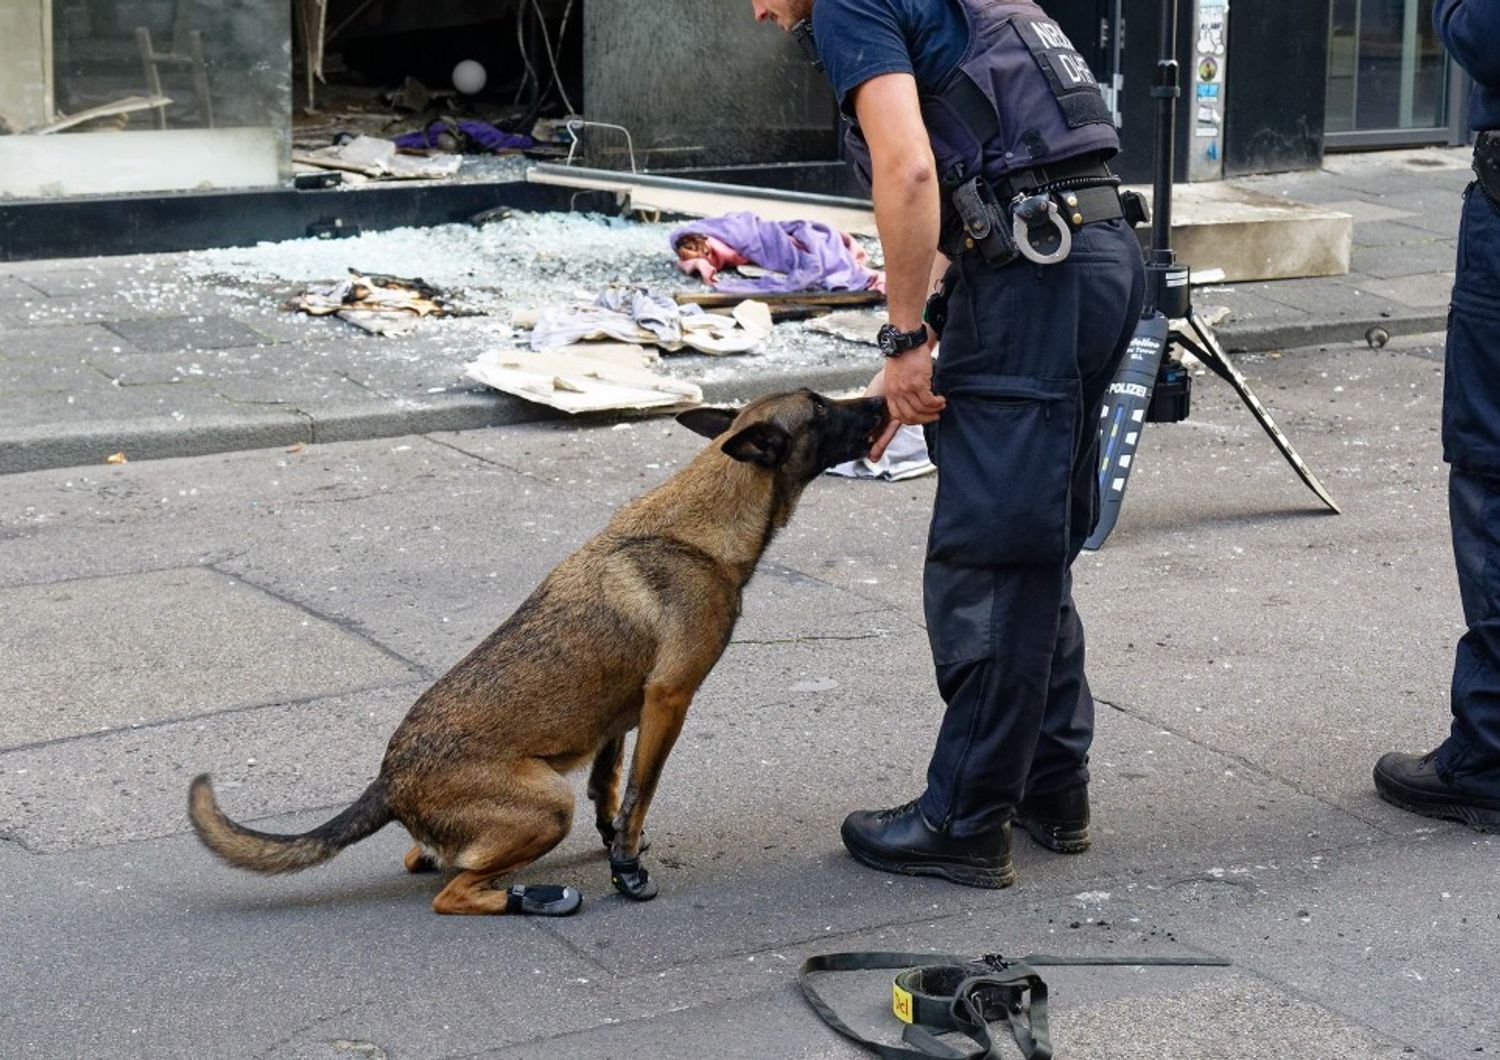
(129, 105)
(709, 299)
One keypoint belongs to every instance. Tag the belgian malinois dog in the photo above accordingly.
(618, 637)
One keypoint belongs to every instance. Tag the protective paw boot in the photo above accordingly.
(901, 840)
(1058, 820)
(545, 900)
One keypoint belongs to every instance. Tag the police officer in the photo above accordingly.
(1460, 780)
(983, 133)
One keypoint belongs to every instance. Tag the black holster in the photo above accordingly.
(935, 312)
(1133, 206)
(1487, 165)
(986, 223)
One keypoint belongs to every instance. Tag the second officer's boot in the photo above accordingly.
(901, 840)
(1414, 783)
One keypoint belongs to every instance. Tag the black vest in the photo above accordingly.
(1020, 97)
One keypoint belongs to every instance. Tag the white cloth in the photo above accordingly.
(906, 457)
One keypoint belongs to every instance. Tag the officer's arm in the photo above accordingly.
(1471, 30)
(905, 190)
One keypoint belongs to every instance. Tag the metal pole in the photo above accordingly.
(1165, 91)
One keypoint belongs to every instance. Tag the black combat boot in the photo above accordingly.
(901, 840)
(1059, 820)
(1412, 783)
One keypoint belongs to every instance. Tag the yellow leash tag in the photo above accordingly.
(901, 1003)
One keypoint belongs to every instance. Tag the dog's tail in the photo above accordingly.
(265, 852)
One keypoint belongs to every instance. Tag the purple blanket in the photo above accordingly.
(812, 255)
(473, 136)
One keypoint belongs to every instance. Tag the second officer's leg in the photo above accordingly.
(1460, 780)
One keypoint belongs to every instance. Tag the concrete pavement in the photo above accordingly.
(179, 355)
(268, 616)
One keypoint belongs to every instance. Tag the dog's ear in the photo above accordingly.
(707, 420)
(763, 444)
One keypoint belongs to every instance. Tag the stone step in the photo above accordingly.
(1254, 236)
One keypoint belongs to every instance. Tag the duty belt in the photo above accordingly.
(938, 994)
(1034, 212)
(1487, 165)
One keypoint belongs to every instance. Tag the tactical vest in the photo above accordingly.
(1020, 97)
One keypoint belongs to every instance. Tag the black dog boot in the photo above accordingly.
(1059, 820)
(1412, 783)
(631, 880)
(901, 840)
(545, 900)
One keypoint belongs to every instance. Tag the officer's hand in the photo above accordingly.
(908, 389)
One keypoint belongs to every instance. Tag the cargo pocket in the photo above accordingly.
(1471, 404)
(1004, 450)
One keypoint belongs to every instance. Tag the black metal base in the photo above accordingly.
(1199, 340)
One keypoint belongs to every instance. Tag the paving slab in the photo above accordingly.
(1425, 290)
(1394, 233)
(64, 281)
(101, 653)
(174, 334)
(1435, 257)
(268, 760)
(14, 289)
(71, 343)
(24, 375)
(1363, 210)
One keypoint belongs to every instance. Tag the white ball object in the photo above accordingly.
(469, 77)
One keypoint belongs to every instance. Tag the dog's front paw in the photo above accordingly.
(631, 880)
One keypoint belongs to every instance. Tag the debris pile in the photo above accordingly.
(381, 305)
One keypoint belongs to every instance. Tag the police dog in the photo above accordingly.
(618, 637)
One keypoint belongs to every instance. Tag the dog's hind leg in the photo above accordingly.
(510, 829)
(604, 786)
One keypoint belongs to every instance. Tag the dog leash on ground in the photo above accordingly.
(939, 994)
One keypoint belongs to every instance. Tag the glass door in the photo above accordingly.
(1389, 82)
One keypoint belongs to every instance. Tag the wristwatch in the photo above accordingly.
(894, 342)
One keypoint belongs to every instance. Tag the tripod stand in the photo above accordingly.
(1152, 386)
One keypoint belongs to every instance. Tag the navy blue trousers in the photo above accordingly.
(1471, 444)
(1026, 356)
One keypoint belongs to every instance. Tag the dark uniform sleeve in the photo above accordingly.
(1471, 31)
(858, 40)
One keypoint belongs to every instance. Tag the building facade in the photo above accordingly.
(185, 95)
